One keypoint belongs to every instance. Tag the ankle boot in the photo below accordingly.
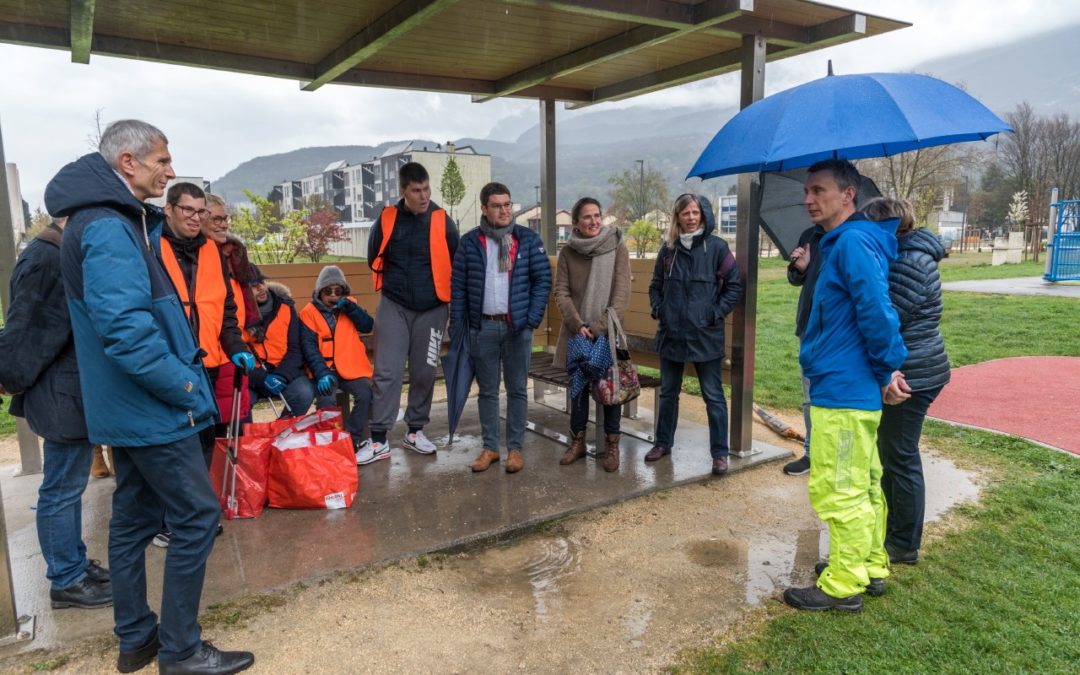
(576, 450)
(98, 468)
(611, 452)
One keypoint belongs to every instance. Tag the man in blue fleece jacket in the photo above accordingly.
(850, 352)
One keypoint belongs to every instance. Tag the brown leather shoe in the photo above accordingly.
(485, 459)
(611, 452)
(657, 452)
(719, 466)
(514, 461)
(99, 469)
(576, 450)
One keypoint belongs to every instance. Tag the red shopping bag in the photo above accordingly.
(252, 467)
(312, 470)
(324, 419)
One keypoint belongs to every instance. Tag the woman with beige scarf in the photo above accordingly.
(593, 274)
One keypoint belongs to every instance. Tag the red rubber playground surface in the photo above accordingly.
(1035, 397)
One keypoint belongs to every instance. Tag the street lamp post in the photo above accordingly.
(641, 186)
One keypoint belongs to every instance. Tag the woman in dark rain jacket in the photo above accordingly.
(695, 285)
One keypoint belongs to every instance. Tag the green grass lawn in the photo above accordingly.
(997, 596)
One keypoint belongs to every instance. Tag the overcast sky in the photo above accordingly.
(217, 120)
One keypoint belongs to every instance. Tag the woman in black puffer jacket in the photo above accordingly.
(915, 289)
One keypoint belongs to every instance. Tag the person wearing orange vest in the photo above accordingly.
(410, 252)
(198, 271)
(330, 328)
(274, 339)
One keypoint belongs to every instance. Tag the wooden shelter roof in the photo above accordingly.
(578, 51)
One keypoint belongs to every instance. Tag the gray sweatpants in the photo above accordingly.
(402, 335)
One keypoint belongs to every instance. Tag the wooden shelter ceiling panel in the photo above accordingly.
(291, 30)
(496, 43)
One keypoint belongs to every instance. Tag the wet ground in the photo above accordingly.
(617, 588)
(1016, 286)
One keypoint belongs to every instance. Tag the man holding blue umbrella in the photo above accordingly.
(850, 351)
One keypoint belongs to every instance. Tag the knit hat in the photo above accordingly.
(255, 276)
(331, 275)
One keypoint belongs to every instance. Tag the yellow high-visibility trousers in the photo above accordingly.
(845, 491)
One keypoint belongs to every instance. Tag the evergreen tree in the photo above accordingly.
(452, 187)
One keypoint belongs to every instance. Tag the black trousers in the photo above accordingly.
(579, 414)
(901, 469)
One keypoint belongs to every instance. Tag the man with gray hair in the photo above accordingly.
(148, 395)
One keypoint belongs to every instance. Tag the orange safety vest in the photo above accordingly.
(209, 302)
(272, 349)
(343, 351)
(440, 251)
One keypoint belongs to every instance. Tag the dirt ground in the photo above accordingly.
(623, 589)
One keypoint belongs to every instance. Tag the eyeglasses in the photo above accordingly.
(508, 206)
(220, 220)
(189, 211)
(332, 291)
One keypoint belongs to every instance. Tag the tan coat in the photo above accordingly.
(571, 276)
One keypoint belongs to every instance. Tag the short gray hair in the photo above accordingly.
(134, 136)
(215, 200)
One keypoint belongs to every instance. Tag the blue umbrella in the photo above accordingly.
(458, 371)
(846, 117)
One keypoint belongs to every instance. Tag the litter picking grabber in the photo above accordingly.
(284, 404)
(232, 445)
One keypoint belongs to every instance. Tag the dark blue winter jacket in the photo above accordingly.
(691, 292)
(530, 280)
(139, 365)
(915, 289)
(852, 341)
(39, 363)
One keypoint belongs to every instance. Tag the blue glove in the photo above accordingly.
(344, 304)
(326, 385)
(244, 360)
(274, 383)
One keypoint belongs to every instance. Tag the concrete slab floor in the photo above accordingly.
(407, 505)
(1016, 286)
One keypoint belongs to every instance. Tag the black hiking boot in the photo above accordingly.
(816, 600)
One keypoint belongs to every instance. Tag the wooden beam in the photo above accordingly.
(684, 72)
(664, 13)
(82, 30)
(774, 32)
(401, 18)
(837, 30)
(705, 15)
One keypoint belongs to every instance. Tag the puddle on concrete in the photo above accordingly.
(715, 552)
(636, 620)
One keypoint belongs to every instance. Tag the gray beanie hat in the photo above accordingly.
(331, 275)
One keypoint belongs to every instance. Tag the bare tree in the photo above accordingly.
(93, 139)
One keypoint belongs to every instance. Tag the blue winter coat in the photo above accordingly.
(139, 364)
(852, 341)
(530, 280)
(915, 289)
(39, 363)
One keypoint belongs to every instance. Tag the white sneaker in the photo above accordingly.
(418, 442)
(370, 451)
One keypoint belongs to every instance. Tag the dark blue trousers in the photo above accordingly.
(710, 377)
(901, 469)
(154, 481)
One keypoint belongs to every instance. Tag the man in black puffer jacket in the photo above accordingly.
(915, 291)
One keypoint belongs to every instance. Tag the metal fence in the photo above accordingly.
(1064, 263)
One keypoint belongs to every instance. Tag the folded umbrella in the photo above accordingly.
(458, 372)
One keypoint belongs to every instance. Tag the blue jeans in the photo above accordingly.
(298, 394)
(360, 389)
(59, 511)
(494, 347)
(710, 376)
(154, 481)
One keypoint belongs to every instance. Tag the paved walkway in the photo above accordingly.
(1020, 286)
(1034, 397)
(408, 505)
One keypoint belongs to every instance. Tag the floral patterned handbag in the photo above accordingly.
(620, 384)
